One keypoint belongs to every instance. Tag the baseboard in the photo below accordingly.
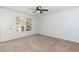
(19, 37)
(49, 35)
(60, 37)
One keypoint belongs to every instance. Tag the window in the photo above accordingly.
(19, 24)
(28, 24)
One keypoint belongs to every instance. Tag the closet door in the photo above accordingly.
(6, 29)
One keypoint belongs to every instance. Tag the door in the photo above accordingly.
(6, 29)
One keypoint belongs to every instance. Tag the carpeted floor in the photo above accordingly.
(39, 43)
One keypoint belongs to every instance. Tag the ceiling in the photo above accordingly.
(27, 9)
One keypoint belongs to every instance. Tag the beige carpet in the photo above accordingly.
(39, 43)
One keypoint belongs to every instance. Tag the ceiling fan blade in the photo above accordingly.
(44, 9)
(41, 12)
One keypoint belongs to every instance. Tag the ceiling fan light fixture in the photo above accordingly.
(38, 11)
(39, 7)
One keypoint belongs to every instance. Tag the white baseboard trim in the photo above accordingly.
(19, 37)
(60, 37)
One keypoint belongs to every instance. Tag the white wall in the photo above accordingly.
(64, 25)
(9, 17)
(39, 20)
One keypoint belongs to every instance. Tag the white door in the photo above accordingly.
(6, 29)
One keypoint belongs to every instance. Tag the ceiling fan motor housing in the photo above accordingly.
(38, 8)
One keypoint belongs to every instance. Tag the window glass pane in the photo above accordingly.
(28, 24)
(19, 24)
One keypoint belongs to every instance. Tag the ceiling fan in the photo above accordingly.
(39, 10)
